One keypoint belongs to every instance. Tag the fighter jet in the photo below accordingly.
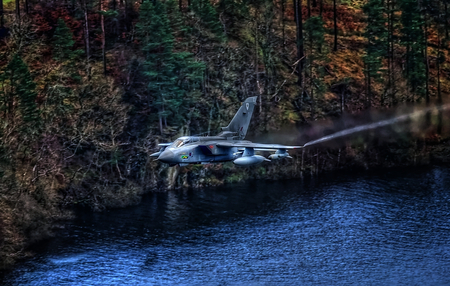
(229, 145)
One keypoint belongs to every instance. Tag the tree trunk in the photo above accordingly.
(308, 3)
(256, 64)
(114, 3)
(26, 7)
(438, 66)
(86, 40)
(427, 65)
(180, 4)
(103, 38)
(283, 24)
(320, 8)
(256, 68)
(311, 78)
(447, 37)
(160, 123)
(2, 21)
(335, 25)
(300, 49)
(18, 9)
(126, 15)
(389, 39)
(391, 53)
(369, 91)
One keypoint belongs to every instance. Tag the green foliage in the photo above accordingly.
(154, 30)
(315, 34)
(413, 39)
(233, 14)
(209, 18)
(180, 31)
(376, 34)
(172, 76)
(63, 42)
(21, 88)
(236, 177)
(109, 13)
(315, 55)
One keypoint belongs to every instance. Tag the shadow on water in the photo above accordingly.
(389, 228)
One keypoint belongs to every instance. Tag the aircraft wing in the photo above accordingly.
(257, 146)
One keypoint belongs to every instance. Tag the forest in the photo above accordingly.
(88, 88)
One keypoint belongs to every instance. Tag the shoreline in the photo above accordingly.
(351, 160)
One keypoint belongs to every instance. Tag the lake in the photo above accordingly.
(383, 228)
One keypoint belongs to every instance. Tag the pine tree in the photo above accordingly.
(299, 39)
(335, 25)
(391, 38)
(209, 18)
(315, 41)
(1, 15)
(233, 14)
(170, 75)
(413, 39)
(376, 34)
(21, 88)
(180, 31)
(63, 42)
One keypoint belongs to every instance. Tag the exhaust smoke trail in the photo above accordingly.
(375, 125)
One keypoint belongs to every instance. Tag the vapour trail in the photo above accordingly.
(374, 125)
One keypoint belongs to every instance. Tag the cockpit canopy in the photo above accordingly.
(182, 141)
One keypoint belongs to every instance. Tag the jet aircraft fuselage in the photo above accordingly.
(197, 150)
(226, 146)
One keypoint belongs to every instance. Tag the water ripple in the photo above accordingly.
(378, 229)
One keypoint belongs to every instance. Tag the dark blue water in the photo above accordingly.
(390, 228)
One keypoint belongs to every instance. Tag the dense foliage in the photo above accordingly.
(89, 87)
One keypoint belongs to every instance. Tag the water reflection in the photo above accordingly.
(387, 228)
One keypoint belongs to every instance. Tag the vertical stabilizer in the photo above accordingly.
(241, 120)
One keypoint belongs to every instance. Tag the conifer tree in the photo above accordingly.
(299, 40)
(413, 39)
(376, 34)
(391, 38)
(1, 14)
(335, 25)
(233, 14)
(21, 89)
(63, 42)
(315, 39)
(170, 75)
(208, 15)
(177, 25)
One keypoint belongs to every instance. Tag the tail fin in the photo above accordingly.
(241, 120)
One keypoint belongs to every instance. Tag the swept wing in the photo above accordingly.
(257, 146)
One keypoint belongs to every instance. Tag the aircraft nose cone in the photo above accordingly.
(167, 156)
